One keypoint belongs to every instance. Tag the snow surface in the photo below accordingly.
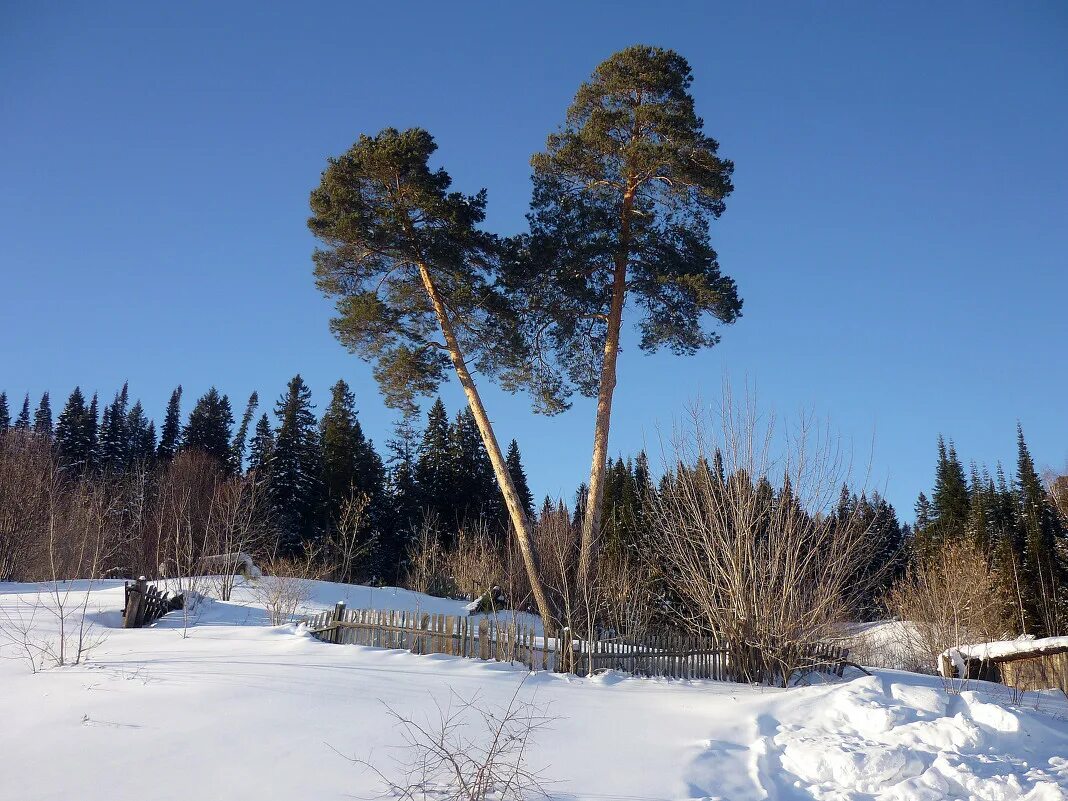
(230, 707)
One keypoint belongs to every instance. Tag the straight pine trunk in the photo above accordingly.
(591, 520)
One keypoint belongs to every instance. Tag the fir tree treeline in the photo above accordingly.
(1013, 521)
(304, 467)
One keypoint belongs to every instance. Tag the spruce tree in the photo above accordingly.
(260, 450)
(42, 418)
(923, 513)
(208, 428)
(980, 510)
(296, 486)
(643, 483)
(74, 435)
(434, 474)
(238, 445)
(622, 203)
(343, 447)
(403, 489)
(114, 438)
(5, 413)
(140, 436)
(950, 501)
(92, 431)
(22, 422)
(351, 465)
(619, 518)
(171, 433)
(475, 495)
(519, 478)
(886, 553)
(1039, 533)
(1008, 549)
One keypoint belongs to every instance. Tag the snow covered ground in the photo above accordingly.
(230, 707)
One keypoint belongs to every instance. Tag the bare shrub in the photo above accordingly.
(747, 542)
(286, 589)
(21, 636)
(948, 598)
(183, 516)
(351, 541)
(79, 533)
(26, 475)
(627, 595)
(427, 571)
(474, 564)
(468, 751)
(237, 526)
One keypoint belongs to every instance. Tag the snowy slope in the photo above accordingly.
(233, 708)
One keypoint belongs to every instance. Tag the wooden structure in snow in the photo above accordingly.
(145, 604)
(665, 654)
(1026, 664)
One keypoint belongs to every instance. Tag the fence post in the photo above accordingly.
(135, 604)
(339, 616)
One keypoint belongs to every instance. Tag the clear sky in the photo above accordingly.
(898, 230)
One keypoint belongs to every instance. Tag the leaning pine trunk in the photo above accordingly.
(500, 469)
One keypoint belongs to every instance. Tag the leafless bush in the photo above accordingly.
(746, 538)
(627, 595)
(51, 630)
(286, 588)
(557, 542)
(22, 635)
(77, 535)
(237, 526)
(351, 540)
(26, 475)
(427, 571)
(184, 515)
(468, 751)
(474, 564)
(949, 598)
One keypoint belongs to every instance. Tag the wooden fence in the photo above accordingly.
(434, 634)
(670, 655)
(144, 604)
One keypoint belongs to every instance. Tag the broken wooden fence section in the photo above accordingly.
(144, 604)
(668, 654)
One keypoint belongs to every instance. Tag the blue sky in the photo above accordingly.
(898, 230)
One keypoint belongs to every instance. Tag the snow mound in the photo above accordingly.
(883, 739)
